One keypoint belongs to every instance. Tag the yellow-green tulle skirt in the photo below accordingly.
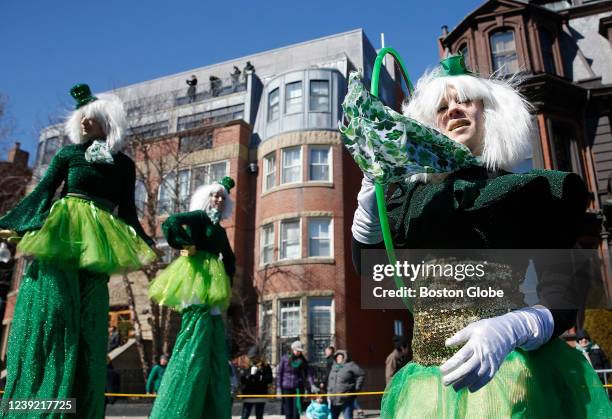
(197, 279)
(555, 381)
(80, 233)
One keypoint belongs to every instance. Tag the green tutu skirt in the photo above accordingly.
(198, 279)
(555, 381)
(80, 233)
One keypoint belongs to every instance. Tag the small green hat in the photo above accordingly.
(227, 182)
(82, 94)
(454, 65)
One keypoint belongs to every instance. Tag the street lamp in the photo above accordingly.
(5, 253)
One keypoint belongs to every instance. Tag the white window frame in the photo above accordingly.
(329, 163)
(264, 245)
(311, 95)
(299, 164)
(297, 101)
(330, 238)
(269, 171)
(141, 206)
(293, 309)
(281, 246)
(274, 108)
(208, 180)
(505, 54)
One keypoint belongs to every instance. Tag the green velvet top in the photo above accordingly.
(195, 229)
(111, 182)
(477, 209)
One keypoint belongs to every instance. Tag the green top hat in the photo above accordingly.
(227, 182)
(454, 65)
(82, 94)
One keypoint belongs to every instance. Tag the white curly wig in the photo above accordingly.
(108, 111)
(200, 200)
(507, 120)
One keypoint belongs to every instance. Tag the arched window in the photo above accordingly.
(503, 52)
(463, 50)
(546, 43)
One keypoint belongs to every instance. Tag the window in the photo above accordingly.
(319, 237)
(503, 51)
(289, 319)
(147, 131)
(319, 96)
(167, 194)
(51, 146)
(398, 328)
(267, 244)
(319, 328)
(266, 322)
(463, 50)
(269, 171)
(206, 174)
(290, 240)
(40, 152)
(292, 165)
(168, 252)
(273, 105)
(140, 197)
(319, 163)
(196, 142)
(293, 97)
(184, 190)
(546, 43)
(200, 119)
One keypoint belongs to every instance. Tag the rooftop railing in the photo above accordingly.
(187, 95)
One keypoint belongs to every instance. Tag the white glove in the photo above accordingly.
(489, 341)
(366, 224)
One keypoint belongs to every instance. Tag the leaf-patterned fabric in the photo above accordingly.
(390, 147)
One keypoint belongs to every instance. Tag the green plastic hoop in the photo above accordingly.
(380, 192)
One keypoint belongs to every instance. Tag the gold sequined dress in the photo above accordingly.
(476, 209)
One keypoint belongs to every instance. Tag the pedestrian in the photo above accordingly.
(113, 339)
(255, 379)
(191, 90)
(345, 377)
(156, 375)
(113, 382)
(318, 409)
(235, 76)
(593, 353)
(396, 359)
(215, 85)
(198, 284)
(59, 334)
(293, 377)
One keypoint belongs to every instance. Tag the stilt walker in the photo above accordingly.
(58, 339)
(451, 156)
(198, 284)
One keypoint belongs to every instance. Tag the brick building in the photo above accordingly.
(270, 121)
(14, 177)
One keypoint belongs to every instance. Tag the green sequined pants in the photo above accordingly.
(58, 339)
(196, 383)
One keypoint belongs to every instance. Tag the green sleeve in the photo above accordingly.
(152, 378)
(31, 212)
(174, 231)
(229, 259)
(127, 207)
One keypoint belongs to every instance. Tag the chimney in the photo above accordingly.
(17, 156)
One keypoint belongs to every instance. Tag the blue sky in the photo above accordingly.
(47, 46)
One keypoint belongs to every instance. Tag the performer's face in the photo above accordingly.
(462, 122)
(90, 128)
(217, 201)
